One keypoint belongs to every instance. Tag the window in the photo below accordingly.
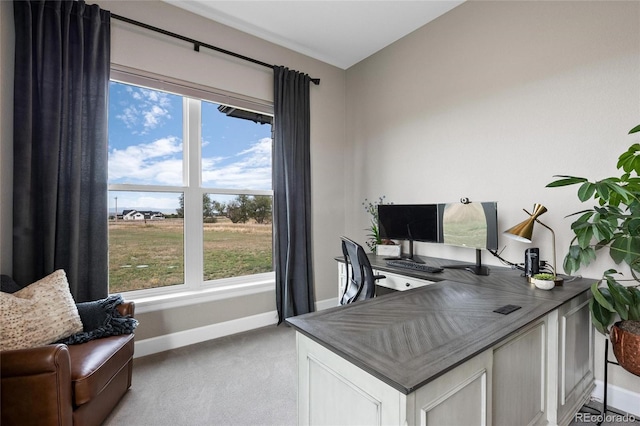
(190, 192)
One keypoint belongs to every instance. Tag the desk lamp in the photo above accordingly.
(524, 230)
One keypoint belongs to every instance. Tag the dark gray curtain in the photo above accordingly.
(61, 87)
(292, 194)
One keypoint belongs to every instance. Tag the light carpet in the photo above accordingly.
(245, 379)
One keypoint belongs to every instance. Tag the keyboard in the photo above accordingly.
(408, 264)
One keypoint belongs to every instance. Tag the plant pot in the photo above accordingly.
(543, 284)
(626, 347)
(389, 250)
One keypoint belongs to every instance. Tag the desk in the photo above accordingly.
(438, 354)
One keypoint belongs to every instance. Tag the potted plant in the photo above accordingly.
(544, 281)
(613, 223)
(374, 239)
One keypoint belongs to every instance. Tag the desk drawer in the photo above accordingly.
(400, 282)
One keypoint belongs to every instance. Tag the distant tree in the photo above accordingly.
(208, 207)
(260, 209)
(180, 210)
(243, 207)
(219, 208)
(238, 209)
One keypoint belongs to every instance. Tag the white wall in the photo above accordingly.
(490, 101)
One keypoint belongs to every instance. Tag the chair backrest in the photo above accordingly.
(360, 284)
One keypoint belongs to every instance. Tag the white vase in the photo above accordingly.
(388, 250)
(543, 284)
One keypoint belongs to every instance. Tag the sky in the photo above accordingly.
(146, 147)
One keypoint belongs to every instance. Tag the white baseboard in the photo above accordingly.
(213, 331)
(202, 334)
(618, 398)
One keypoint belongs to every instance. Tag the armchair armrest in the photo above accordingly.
(127, 309)
(33, 361)
(36, 385)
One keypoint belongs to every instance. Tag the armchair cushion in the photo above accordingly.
(38, 314)
(95, 363)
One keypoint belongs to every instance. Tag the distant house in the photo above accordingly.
(132, 215)
(142, 215)
(153, 215)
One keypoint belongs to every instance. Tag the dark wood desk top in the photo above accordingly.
(409, 338)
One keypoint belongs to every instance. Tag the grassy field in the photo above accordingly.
(148, 255)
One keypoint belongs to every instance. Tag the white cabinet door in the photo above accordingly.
(575, 357)
(520, 378)
(461, 396)
(332, 391)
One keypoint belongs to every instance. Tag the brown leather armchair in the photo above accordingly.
(64, 385)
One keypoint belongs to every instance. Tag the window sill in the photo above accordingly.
(152, 303)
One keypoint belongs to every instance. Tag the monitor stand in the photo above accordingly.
(410, 256)
(477, 269)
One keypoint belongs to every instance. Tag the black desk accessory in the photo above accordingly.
(506, 309)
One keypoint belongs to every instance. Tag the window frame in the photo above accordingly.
(194, 289)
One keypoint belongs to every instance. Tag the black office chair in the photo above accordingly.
(362, 284)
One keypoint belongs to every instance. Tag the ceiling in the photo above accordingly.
(341, 33)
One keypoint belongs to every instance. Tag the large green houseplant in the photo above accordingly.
(613, 224)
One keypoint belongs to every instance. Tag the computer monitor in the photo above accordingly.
(473, 225)
(410, 222)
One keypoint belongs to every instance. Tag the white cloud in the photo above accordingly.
(159, 202)
(149, 112)
(252, 170)
(158, 162)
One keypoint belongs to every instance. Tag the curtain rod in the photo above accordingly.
(197, 44)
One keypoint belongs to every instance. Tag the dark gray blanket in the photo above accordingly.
(101, 318)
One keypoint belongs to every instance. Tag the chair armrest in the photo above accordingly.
(36, 386)
(127, 309)
(33, 361)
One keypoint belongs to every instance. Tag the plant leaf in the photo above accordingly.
(634, 309)
(602, 231)
(635, 129)
(634, 226)
(602, 189)
(629, 161)
(600, 317)
(601, 299)
(625, 248)
(570, 265)
(621, 296)
(586, 191)
(584, 236)
(566, 180)
(626, 195)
